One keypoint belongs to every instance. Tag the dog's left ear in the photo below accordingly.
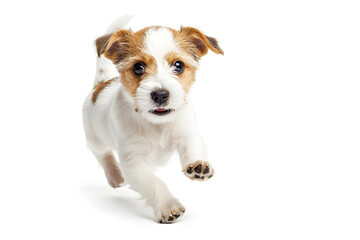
(199, 42)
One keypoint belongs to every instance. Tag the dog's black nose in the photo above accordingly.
(160, 96)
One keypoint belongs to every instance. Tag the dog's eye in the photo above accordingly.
(139, 69)
(179, 67)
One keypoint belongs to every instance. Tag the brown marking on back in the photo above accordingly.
(99, 87)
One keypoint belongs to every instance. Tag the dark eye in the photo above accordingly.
(139, 69)
(179, 67)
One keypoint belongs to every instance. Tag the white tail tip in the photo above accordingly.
(119, 23)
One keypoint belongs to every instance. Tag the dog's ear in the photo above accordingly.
(101, 43)
(114, 46)
(199, 41)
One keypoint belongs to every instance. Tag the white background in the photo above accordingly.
(280, 113)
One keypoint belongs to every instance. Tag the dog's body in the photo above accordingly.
(139, 109)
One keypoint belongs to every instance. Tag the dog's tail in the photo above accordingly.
(105, 69)
(119, 23)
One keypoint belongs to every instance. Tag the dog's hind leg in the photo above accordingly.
(105, 157)
(111, 168)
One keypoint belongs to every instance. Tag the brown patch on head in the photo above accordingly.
(125, 48)
(187, 77)
(132, 81)
(121, 45)
(194, 45)
(99, 87)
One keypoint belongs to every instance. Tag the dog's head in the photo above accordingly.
(157, 66)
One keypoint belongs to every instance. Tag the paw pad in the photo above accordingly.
(199, 170)
(172, 215)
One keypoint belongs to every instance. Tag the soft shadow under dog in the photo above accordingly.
(121, 201)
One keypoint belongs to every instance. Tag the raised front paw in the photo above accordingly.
(199, 170)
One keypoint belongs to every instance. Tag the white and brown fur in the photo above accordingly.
(118, 114)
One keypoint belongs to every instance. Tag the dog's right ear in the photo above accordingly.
(101, 43)
(114, 46)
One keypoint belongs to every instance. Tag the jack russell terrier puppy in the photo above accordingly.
(139, 109)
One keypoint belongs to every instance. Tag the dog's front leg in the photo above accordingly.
(193, 155)
(139, 175)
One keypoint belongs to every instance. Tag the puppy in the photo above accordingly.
(139, 109)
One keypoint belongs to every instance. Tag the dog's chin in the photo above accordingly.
(160, 115)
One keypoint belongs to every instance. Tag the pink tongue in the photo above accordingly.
(161, 110)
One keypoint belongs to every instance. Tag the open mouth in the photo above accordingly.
(161, 111)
